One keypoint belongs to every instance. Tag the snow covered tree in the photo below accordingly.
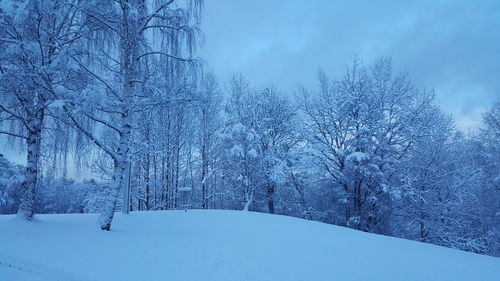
(11, 177)
(241, 162)
(274, 119)
(35, 40)
(359, 128)
(240, 156)
(257, 141)
(438, 200)
(486, 155)
(129, 36)
(210, 123)
(62, 195)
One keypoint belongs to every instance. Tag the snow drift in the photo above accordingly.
(220, 245)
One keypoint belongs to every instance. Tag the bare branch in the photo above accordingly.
(76, 125)
(97, 77)
(12, 134)
(107, 124)
(155, 13)
(164, 54)
(105, 23)
(182, 27)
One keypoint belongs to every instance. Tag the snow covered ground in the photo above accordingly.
(220, 245)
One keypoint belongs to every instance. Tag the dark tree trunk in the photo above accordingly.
(270, 194)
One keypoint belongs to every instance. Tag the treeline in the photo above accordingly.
(114, 88)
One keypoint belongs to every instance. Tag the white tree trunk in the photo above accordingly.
(249, 200)
(129, 46)
(108, 211)
(28, 188)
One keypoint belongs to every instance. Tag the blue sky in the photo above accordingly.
(452, 47)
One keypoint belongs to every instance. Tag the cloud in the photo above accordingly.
(468, 121)
(450, 46)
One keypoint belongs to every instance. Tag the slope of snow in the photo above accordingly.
(220, 245)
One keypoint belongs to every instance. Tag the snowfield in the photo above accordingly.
(220, 245)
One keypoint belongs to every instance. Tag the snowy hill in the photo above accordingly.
(220, 245)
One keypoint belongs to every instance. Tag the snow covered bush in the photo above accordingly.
(63, 195)
(11, 177)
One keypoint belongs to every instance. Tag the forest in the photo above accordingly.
(113, 110)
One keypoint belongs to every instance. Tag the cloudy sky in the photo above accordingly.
(450, 46)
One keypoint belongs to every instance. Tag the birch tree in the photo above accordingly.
(35, 39)
(148, 33)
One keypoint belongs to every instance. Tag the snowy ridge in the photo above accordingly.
(220, 245)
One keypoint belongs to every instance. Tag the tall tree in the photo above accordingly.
(274, 121)
(148, 33)
(35, 40)
(209, 126)
(359, 127)
(240, 157)
(438, 200)
(487, 156)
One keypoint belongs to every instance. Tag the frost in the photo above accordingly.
(357, 156)
(238, 128)
(252, 153)
(57, 104)
(237, 150)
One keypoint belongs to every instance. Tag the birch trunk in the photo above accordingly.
(129, 45)
(28, 188)
(118, 179)
(108, 211)
(248, 200)
(204, 172)
(26, 209)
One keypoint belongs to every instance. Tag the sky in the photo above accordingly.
(452, 47)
